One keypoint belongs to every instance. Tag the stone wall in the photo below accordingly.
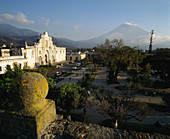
(62, 128)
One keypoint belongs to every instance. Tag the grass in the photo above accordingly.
(95, 69)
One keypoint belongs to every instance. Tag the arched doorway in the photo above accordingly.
(46, 56)
(46, 61)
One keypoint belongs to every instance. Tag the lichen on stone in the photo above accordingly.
(29, 91)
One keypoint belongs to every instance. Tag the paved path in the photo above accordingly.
(73, 78)
(101, 81)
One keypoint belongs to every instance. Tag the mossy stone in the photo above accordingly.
(29, 91)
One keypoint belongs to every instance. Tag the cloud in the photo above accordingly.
(44, 21)
(77, 27)
(160, 39)
(128, 23)
(19, 17)
(157, 39)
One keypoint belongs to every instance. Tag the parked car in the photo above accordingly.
(74, 67)
(57, 73)
(78, 64)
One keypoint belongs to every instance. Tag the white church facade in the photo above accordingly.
(43, 52)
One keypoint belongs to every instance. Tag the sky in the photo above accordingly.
(86, 19)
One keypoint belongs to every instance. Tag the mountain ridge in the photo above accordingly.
(9, 30)
(18, 36)
(131, 35)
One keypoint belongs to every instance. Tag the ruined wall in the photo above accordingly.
(74, 129)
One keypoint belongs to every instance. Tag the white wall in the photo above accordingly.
(13, 59)
(60, 54)
(30, 55)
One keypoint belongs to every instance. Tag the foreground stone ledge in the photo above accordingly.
(73, 129)
(61, 128)
(30, 113)
(15, 124)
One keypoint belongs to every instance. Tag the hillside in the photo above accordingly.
(10, 34)
(9, 30)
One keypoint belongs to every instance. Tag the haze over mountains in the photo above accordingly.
(131, 35)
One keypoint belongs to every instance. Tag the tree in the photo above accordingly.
(118, 57)
(5, 92)
(161, 67)
(126, 108)
(70, 96)
(123, 108)
(43, 71)
(50, 83)
(139, 76)
(5, 83)
(166, 99)
(13, 73)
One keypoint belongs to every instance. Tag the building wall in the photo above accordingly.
(19, 60)
(42, 52)
(60, 54)
(29, 54)
(75, 57)
(46, 52)
(83, 56)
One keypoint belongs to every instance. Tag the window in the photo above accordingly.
(46, 59)
(25, 64)
(39, 52)
(76, 58)
(0, 68)
(25, 55)
(15, 64)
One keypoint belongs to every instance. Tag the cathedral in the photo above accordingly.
(43, 52)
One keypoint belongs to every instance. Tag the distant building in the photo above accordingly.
(42, 52)
(75, 56)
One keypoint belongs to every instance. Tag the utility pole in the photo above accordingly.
(150, 45)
